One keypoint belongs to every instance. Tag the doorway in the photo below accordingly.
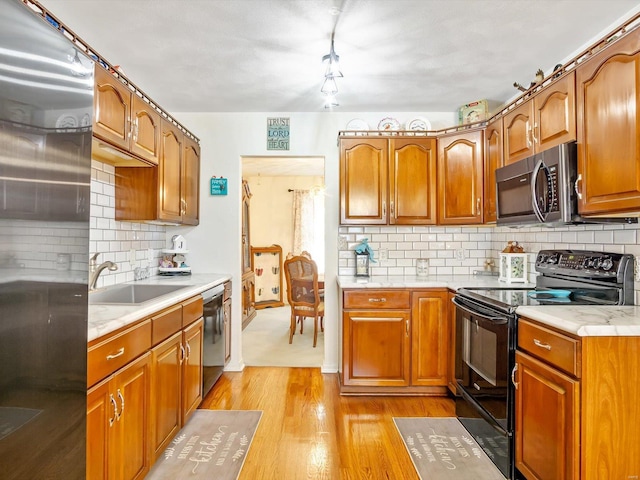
(286, 210)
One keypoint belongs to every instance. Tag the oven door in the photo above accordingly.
(484, 351)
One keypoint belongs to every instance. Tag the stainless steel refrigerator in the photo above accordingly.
(46, 104)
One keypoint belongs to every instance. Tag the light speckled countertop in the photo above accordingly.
(581, 320)
(104, 319)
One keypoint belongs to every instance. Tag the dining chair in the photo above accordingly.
(303, 294)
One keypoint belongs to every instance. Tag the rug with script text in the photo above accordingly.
(213, 444)
(442, 449)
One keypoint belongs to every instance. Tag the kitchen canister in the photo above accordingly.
(422, 267)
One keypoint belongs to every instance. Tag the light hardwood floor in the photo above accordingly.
(309, 431)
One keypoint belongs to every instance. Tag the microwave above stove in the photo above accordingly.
(541, 189)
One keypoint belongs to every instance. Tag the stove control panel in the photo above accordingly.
(580, 263)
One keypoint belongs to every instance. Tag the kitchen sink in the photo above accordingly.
(131, 294)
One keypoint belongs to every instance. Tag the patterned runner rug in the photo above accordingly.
(442, 449)
(213, 444)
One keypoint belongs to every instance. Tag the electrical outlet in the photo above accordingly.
(342, 242)
(384, 254)
(460, 255)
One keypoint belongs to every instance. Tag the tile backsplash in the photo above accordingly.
(463, 250)
(117, 241)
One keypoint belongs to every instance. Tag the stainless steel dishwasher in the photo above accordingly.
(213, 339)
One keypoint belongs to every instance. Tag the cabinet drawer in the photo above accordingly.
(191, 310)
(166, 324)
(552, 347)
(368, 298)
(106, 357)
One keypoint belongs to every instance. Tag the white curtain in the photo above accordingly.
(308, 224)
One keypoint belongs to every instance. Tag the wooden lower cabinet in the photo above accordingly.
(547, 407)
(576, 405)
(135, 412)
(118, 423)
(429, 338)
(394, 341)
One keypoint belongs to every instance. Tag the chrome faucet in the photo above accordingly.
(95, 270)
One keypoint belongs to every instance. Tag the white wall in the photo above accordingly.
(215, 243)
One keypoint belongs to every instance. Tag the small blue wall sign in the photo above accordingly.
(218, 186)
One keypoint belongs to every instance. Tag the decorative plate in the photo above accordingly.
(389, 124)
(357, 124)
(418, 123)
(66, 121)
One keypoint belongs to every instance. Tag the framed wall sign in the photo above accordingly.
(278, 133)
(218, 186)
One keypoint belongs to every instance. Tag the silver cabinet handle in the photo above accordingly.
(384, 209)
(533, 133)
(121, 397)
(478, 206)
(188, 351)
(513, 376)
(393, 210)
(115, 410)
(576, 188)
(119, 353)
(377, 300)
(183, 355)
(529, 143)
(538, 343)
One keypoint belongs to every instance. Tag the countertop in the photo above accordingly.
(432, 281)
(104, 319)
(581, 320)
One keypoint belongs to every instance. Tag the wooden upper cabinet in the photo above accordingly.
(111, 109)
(412, 181)
(546, 120)
(122, 119)
(493, 159)
(609, 133)
(190, 182)
(518, 143)
(170, 206)
(363, 181)
(460, 178)
(145, 138)
(555, 114)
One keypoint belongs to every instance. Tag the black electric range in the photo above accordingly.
(486, 337)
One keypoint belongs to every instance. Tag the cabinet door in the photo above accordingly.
(192, 368)
(547, 421)
(429, 338)
(101, 415)
(555, 114)
(169, 174)
(190, 182)
(129, 446)
(166, 392)
(111, 109)
(609, 130)
(363, 181)
(412, 181)
(145, 140)
(518, 133)
(376, 348)
(460, 178)
(493, 159)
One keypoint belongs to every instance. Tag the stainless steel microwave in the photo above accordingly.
(539, 189)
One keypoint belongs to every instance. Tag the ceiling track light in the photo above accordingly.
(329, 86)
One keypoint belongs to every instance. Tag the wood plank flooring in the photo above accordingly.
(309, 431)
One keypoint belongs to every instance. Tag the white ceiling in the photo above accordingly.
(396, 55)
